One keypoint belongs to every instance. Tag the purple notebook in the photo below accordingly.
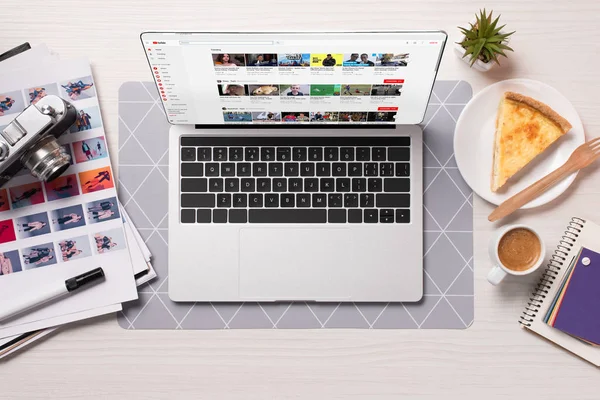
(579, 313)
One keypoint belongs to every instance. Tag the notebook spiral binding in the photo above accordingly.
(553, 267)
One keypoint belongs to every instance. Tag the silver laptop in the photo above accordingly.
(295, 163)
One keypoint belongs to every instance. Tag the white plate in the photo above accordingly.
(474, 142)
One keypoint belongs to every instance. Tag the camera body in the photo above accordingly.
(30, 140)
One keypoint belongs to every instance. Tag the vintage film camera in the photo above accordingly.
(30, 140)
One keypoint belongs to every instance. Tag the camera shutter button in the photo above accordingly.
(4, 150)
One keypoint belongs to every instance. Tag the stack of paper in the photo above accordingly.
(50, 232)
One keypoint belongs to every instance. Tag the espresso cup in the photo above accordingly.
(515, 250)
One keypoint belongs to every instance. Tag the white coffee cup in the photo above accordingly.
(499, 271)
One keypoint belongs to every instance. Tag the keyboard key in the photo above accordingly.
(393, 200)
(303, 200)
(402, 169)
(275, 169)
(220, 154)
(236, 154)
(311, 185)
(399, 154)
(243, 169)
(355, 169)
(219, 216)
(370, 169)
(228, 169)
(367, 200)
(363, 154)
(315, 154)
(238, 216)
(342, 184)
(198, 200)
(255, 200)
(194, 185)
(240, 200)
(284, 154)
(287, 200)
(355, 216)
(299, 153)
(288, 216)
(374, 184)
(403, 216)
(336, 216)
(396, 185)
(347, 154)
(359, 184)
(331, 154)
(259, 169)
(386, 216)
(263, 185)
(204, 154)
(319, 200)
(232, 185)
(203, 216)
(350, 200)
(291, 169)
(251, 154)
(386, 169)
(267, 154)
(272, 200)
(212, 169)
(339, 169)
(371, 215)
(295, 185)
(279, 184)
(188, 216)
(188, 154)
(334, 200)
(307, 169)
(215, 184)
(193, 169)
(248, 185)
(378, 154)
(327, 184)
(224, 200)
(323, 169)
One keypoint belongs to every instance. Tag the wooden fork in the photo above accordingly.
(583, 156)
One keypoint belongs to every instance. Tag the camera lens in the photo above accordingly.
(46, 160)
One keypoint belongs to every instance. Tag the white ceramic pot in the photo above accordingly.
(479, 65)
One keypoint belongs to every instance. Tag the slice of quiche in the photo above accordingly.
(525, 128)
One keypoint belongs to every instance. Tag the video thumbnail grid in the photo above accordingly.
(308, 116)
(314, 90)
(310, 60)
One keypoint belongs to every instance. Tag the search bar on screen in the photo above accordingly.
(208, 42)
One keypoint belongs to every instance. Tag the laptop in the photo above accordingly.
(295, 163)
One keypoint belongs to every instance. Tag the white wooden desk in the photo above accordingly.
(556, 42)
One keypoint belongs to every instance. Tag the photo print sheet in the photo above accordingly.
(50, 232)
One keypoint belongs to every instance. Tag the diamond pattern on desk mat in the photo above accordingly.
(448, 301)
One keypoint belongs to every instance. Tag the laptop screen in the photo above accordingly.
(294, 78)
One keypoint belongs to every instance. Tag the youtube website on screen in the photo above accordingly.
(302, 78)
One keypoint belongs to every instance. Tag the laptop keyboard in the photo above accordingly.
(295, 180)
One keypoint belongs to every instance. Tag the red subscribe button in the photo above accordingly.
(393, 81)
(387, 108)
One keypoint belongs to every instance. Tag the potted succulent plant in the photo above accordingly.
(483, 41)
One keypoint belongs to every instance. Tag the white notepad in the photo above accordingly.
(579, 232)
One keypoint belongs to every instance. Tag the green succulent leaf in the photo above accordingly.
(484, 39)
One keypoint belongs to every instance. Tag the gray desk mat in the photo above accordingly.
(448, 301)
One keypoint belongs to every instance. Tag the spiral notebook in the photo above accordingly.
(579, 233)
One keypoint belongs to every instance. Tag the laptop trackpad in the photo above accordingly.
(295, 263)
